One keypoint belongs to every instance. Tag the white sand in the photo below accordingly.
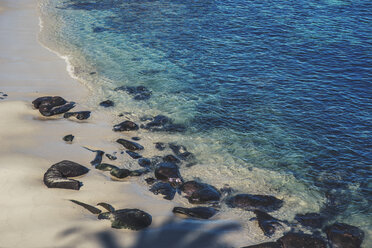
(31, 215)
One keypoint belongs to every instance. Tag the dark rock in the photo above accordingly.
(181, 152)
(198, 212)
(57, 175)
(164, 189)
(144, 162)
(139, 172)
(163, 123)
(267, 223)
(125, 126)
(265, 245)
(98, 158)
(52, 105)
(120, 173)
(138, 92)
(160, 146)
(69, 138)
(106, 167)
(200, 193)
(133, 219)
(168, 172)
(171, 159)
(150, 180)
(341, 235)
(92, 73)
(134, 155)
(130, 145)
(300, 240)
(80, 115)
(99, 29)
(136, 138)
(107, 104)
(255, 202)
(111, 157)
(313, 220)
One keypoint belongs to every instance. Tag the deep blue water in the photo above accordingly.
(281, 85)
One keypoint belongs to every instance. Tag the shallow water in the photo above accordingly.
(275, 96)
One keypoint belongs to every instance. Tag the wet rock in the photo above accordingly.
(68, 138)
(130, 145)
(125, 126)
(341, 235)
(265, 245)
(300, 240)
(200, 193)
(163, 123)
(52, 105)
(133, 219)
(80, 115)
(144, 162)
(150, 180)
(57, 175)
(181, 152)
(111, 157)
(164, 189)
(197, 212)
(168, 172)
(160, 146)
(107, 104)
(136, 138)
(171, 159)
(313, 220)
(134, 155)
(98, 158)
(120, 173)
(138, 92)
(267, 223)
(106, 167)
(255, 202)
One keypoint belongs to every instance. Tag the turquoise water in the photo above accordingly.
(276, 96)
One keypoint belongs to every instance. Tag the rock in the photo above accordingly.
(136, 138)
(106, 167)
(138, 92)
(57, 175)
(265, 245)
(313, 220)
(98, 158)
(120, 173)
(171, 159)
(300, 240)
(341, 235)
(197, 212)
(144, 162)
(168, 172)
(52, 105)
(125, 126)
(255, 202)
(150, 180)
(163, 188)
(163, 123)
(133, 219)
(267, 223)
(130, 145)
(80, 115)
(107, 104)
(134, 155)
(160, 146)
(200, 193)
(181, 152)
(68, 138)
(111, 157)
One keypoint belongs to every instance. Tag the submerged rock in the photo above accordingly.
(52, 105)
(57, 175)
(181, 152)
(138, 92)
(80, 115)
(267, 223)
(107, 104)
(265, 245)
(197, 212)
(250, 202)
(163, 123)
(300, 240)
(341, 235)
(168, 172)
(125, 126)
(313, 220)
(160, 146)
(130, 145)
(171, 159)
(164, 189)
(200, 193)
(68, 138)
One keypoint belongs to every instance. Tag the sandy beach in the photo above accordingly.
(33, 215)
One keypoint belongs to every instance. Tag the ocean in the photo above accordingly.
(275, 95)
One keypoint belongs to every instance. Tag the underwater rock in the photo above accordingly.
(125, 126)
(171, 159)
(68, 138)
(164, 189)
(130, 145)
(200, 193)
(300, 240)
(52, 105)
(313, 220)
(57, 175)
(265, 245)
(107, 104)
(267, 223)
(250, 202)
(80, 115)
(181, 152)
(134, 155)
(168, 172)
(138, 92)
(163, 123)
(197, 212)
(341, 235)
(160, 146)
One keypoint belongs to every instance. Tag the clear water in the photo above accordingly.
(276, 95)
